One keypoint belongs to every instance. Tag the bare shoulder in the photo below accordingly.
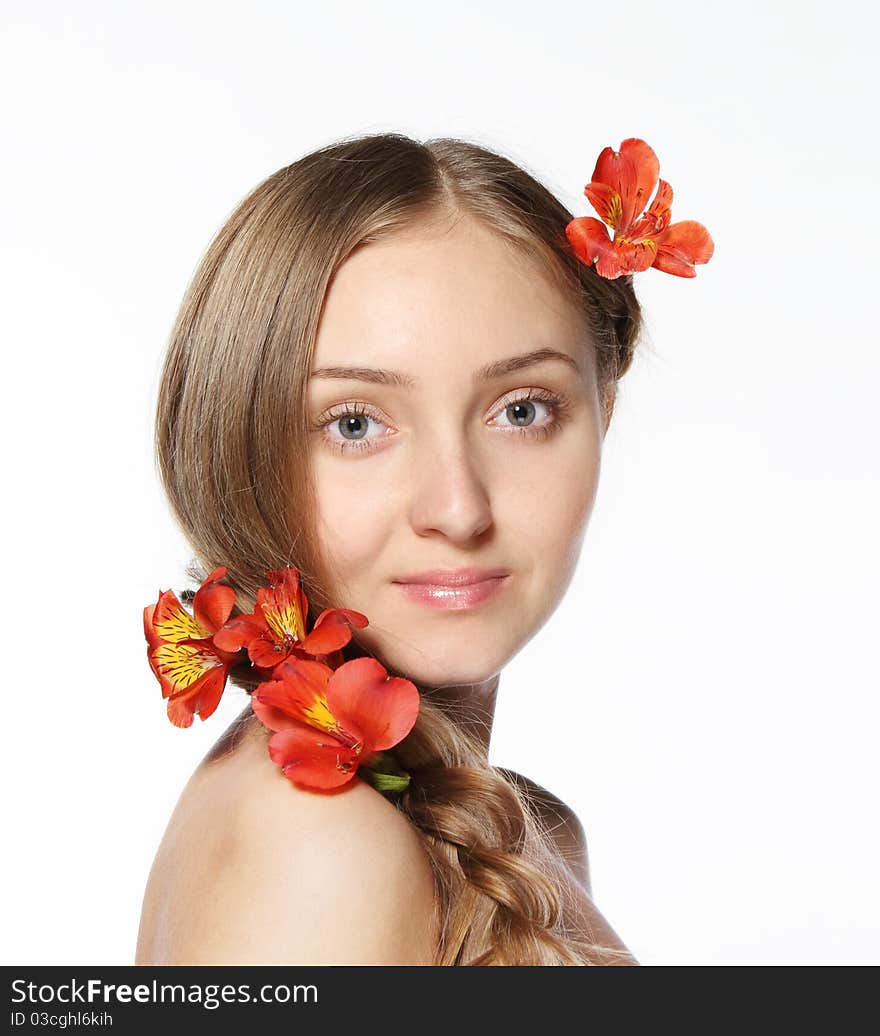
(563, 824)
(254, 870)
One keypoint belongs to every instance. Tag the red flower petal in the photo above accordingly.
(239, 632)
(173, 623)
(332, 630)
(363, 697)
(153, 639)
(311, 759)
(658, 215)
(178, 666)
(268, 715)
(202, 698)
(299, 692)
(632, 172)
(606, 201)
(589, 239)
(267, 652)
(661, 206)
(608, 265)
(682, 245)
(283, 605)
(632, 256)
(213, 602)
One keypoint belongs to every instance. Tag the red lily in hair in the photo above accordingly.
(190, 667)
(277, 626)
(621, 185)
(329, 722)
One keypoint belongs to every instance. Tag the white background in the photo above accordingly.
(706, 695)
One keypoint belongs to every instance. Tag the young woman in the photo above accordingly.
(391, 371)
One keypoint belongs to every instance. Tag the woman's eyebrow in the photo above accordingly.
(497, 369)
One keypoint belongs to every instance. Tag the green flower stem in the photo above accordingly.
(385, 773)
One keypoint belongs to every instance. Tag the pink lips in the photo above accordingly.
(454, 588)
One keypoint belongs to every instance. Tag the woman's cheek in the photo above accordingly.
(560, 487)
(353, 507)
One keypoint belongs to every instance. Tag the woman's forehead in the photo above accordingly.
(464, 290)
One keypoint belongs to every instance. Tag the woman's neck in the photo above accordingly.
(471, 705)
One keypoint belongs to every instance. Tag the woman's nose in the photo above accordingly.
(449, 494)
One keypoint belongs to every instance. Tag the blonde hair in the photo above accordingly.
(231, 435)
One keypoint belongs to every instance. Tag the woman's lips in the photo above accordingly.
(455, 597)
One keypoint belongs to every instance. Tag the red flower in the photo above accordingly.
(277, 626)
(622, 183)
(191, 669)
(328, 722)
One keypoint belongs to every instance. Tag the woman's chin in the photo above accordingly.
(441, 673)
(441, 657)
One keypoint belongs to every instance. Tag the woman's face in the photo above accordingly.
(447, 463)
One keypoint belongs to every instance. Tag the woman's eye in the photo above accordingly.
(527, 413)
(350, 429)
(535, 413)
